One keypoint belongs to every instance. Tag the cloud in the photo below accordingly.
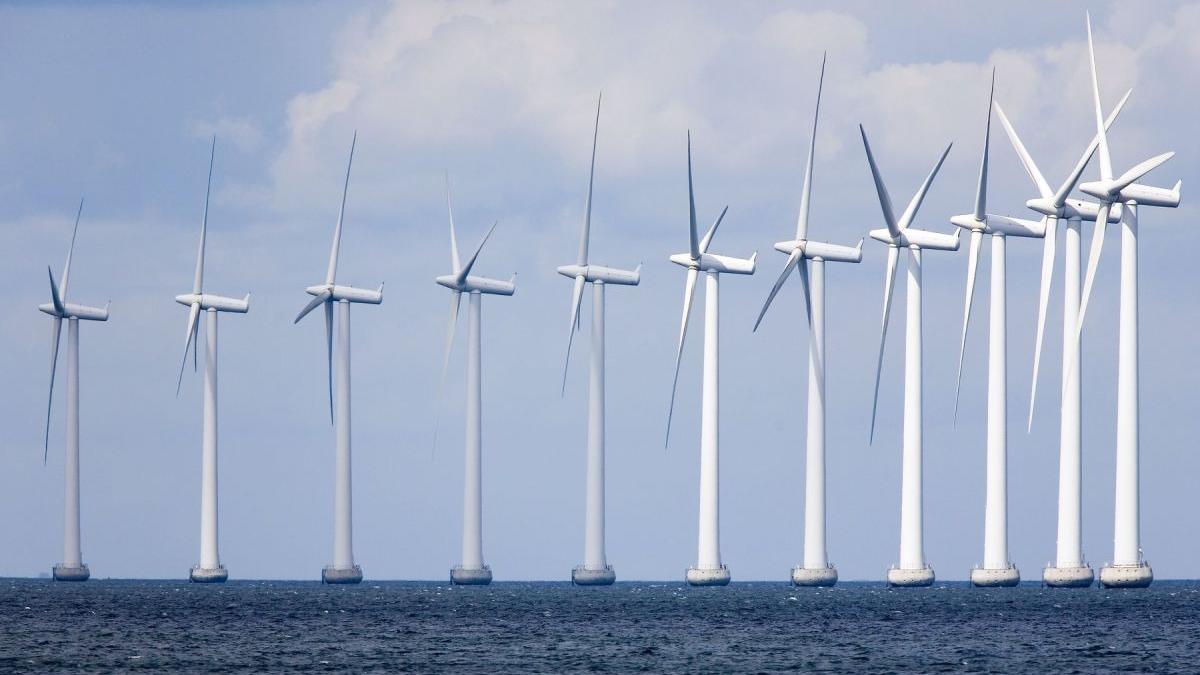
(241, 132)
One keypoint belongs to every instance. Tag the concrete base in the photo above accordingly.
(200, 575)
(984, 577)
(464, 577)
(821, 576)
(344, 575)
(708, 577)
(910, 578)
(64, 572)
(582, 576)
(1068, 577)
(1126, 576)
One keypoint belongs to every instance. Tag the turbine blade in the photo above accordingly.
(818, 359)
(1048, 246)
(329, 352)
(198, 280)
(1141, 170)
(195, 349)
(576, 299)
(66, 275)
(972, 269)
(587, 210)
(911, 212)
(694, 235)
(55, 296)
(981, 191)
(1089, 278)
(454, 261)
(889, 283)
(193, 314)
(793, 259)
(1060, 197)
(806, 193)
(1105, 158)
(689, 292)
(55, 336)
(466, 269)
(1035, 175)
(337, 230)
(455, 300)
(708, 236)
(885, 200)
(313, 304)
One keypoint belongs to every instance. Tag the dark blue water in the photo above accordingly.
(552, 627)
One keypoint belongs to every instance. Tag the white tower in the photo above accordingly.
(913, 569)
(1069, 569)
(72, 567)
(1128, 568)
(816, 569)
(472, 570)
(343, 569)
(595, 570)
(209, 569)
(709, 570)
(997, 568)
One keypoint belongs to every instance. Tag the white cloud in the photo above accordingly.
(242, 132)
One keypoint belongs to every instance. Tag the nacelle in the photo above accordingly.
(822, 250)
(1147, 195)
(1015, 227)
(217, 302)
(83, 312)
(349, 293)
(967, 222)
(479, 285)
(919, 238)
(709, 262)
(608, 275)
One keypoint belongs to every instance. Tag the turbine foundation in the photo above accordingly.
(460, 576)
(341, 575)
(906, 578)
(582, 576)
(1139, 575)
(985, 577)
(214, 575)
(718, 576)
(1068, 577)
(65, 572)
(814, 576)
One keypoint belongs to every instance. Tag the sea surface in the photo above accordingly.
(247, 626)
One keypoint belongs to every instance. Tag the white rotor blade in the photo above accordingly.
(455, 300)
(796, 256)
(708, 236)
(1141, 170)
(56, 297)
(806, 192)
(329, 352)
(910, 212)
(689, 292)
(1048, 246)
(587, 209)
(818, 359)
(193, 315)
(1060, 197)
(576, 299)
(1035, 175)
(981, 191)
(1105, 158)
(66, 275)
(972, 269)
(1089, 277)
(889, 283)
(337, 230)
(55, 336)
(313, 304)
(885, 200)
(454, 261)
(692, 233)
(198, 280)
(466, 269)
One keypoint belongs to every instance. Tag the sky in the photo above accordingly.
(118, 104)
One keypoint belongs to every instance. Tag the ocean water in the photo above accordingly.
(553, 627)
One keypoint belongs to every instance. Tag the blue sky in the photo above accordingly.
(117, 103)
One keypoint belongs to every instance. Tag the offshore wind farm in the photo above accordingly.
(1030, 437)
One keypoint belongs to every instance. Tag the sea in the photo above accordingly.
(658, 627)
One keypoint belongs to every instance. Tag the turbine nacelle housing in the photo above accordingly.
(474, 284)
(599, 273)
(708, 262)
(1072, 208)
(74, 311)
(1144, 195)
(822, 250)
(1005, 225)
(348, 293)
(217, 302)
(919, 238)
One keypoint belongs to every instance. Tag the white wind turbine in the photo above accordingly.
(210, 568)
(1069, 569)
(72, 567)
(709, 570)
(342, 570)
(1128, 568)
(816, 569)
(472, 570)
(997, 569)
(913, 569)
(595, 570)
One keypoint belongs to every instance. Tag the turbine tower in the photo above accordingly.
(210, 569)
(72, 567)
(709, 570)
(1128, 569)
(997, 569)
(472, 570)
(913, 569)
(342, 570)
(1069, 569)
(595, 570)
(816, 569)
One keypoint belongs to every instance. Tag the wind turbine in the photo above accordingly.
(343, 570)
(210, 569)
(913, 569)
(816, 569)
(709, 570)
(72, 567)
(472, 570)
(595, 570)
(997, 569)
(1128, 569)
(1070, 569)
